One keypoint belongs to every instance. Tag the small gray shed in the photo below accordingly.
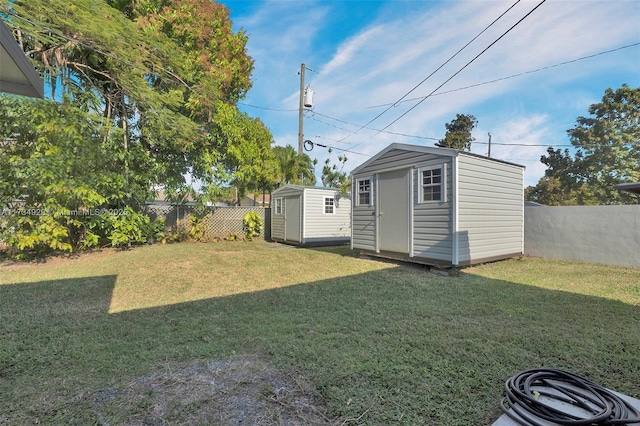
(309, 215)
(437, 206)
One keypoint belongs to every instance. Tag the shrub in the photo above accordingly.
(128, 227)
(252, 225)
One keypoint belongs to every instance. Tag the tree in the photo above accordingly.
(551, 192)
(563, 184)
(291, 166)
(249, 163)
(334, 176)
(146, 93)
(607, 153)
(608, 144)
(158, 70)
(49, 187)
(458, 134)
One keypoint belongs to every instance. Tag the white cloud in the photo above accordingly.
(407, 41)
(527, 138)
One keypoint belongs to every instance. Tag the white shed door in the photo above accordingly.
(393, 211)
(292, 219)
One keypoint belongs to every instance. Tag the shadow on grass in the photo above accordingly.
(387, 347)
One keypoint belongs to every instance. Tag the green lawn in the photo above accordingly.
(381, 343)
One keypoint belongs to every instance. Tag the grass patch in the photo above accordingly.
(373, 342)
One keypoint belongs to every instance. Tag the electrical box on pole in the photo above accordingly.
(308, 97)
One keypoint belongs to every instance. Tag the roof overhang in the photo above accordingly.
(17, 75)
(629, 187)
(447, 152)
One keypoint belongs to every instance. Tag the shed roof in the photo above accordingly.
(447, 152)
(17, 75)
(302, 187)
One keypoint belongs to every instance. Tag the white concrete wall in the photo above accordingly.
(596, 234)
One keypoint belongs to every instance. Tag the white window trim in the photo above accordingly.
(443, 184)
(357, 191)
(281, 200)
(333, 205)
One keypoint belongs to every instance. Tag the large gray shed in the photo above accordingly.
(309, 215)
(437, 206)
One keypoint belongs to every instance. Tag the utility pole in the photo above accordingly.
(489, 155)
(301, 109)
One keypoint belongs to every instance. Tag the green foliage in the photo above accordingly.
(145, 94)
(56, 169)
(37, 235)
(159, 232)
(252, 225)
(150, 63)
(195, 233)
(249, 162)
(607, 153)
(458, 134)
(334, 176)
(127, 227)
(293, 168)
(232, 237)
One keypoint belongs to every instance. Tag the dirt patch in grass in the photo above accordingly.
(243, 390)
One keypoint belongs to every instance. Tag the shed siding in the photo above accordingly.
(363, 232)
(277, 225)
(432, 224)
(278, 221)
(480, 218)
(317, 224)
(314, 224)
(490, 208)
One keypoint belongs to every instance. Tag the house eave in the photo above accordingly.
(17, 75)
(633, 187)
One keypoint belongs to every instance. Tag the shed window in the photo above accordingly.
(364, 192)
(328, 205)
(278, 206)
(432, 185)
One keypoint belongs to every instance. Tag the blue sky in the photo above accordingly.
(368, 54)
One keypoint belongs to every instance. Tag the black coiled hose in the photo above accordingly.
(531, 395)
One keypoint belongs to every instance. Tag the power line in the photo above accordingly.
(375, 130)
(267, 108)
(516, 75)
(313, 117)
(466, 65)
(330, 147)
(333, 118)
(525, 144)
(570, 61)
(437, 69)
(435, 139)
